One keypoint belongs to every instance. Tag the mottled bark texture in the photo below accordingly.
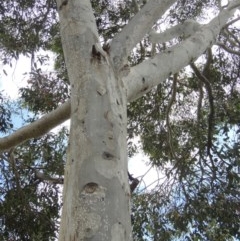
(96, 189)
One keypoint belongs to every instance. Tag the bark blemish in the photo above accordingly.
(124, 71)
(117, 102)
(144, 88)
(92, 225)
(143, 80)
(109, 117)
(110, 135)
(120, 116)
(96, 54)
(88, 232)
(107, 155)
(106, 115)
(154, 64)
(106, 48)
(63, 4)
(101, 90)
(90, 187)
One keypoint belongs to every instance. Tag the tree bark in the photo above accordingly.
(136, 29)
(96, 190)
(37, 128)
(142, 77)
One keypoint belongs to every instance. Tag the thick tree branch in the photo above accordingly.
(143, 77)
(37, 128)
(135, 30)
(186, 29)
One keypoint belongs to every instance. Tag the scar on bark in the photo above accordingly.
(95, 54)
(106, 48)
(144, 88)
(107, 155)
(98, 53)
(90, 187)
(63, 4)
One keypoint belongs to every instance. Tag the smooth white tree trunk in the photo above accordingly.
(96, 190)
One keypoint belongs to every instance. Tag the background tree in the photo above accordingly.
(187, 118)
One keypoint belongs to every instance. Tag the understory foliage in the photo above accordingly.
(189, 127)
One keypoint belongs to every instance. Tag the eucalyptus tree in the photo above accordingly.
(170, 68)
